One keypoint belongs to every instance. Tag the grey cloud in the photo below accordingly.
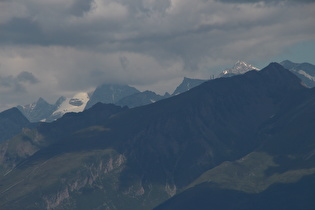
(79, 45)
(27, 77)
(140, 8)
(6, 81)
(265, 1)
(17, 83)
(247, 1)
(124, 62)
(21, 31)
(79, 7)
(11, 84)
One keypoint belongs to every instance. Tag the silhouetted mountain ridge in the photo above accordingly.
(12, 121)
(147, 154)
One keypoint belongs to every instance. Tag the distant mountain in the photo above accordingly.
(64, 105)
(148, 97)
(110, 94)
(187, 84)
(140, 99)
(240, 67)
(122, 95)
(245, 137)
(41, 111)
(37, 111)
(12, 121)
(305, 71)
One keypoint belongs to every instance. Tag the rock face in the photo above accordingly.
(108, 163)
(225, 131)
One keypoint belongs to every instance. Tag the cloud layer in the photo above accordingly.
(76, 45)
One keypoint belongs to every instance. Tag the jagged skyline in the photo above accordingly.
(52, 48)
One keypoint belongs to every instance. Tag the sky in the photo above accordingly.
(53, 48)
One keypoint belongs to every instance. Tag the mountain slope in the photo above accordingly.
(12, 122)
(289, 196)
(187, 84)
(139, 99)
(280, 174)
(305, 71)
(159, 148)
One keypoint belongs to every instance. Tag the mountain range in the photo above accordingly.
(241, 142)
(122, 95)
(42, 111)
(125, 95)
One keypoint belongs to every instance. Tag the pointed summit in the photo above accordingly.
(240, 67)
(281, 76)
(12, 121)
(41, 101)
(274, 67)
(288, 64)
(37, 111)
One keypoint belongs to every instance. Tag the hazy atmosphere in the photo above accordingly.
(56, 48)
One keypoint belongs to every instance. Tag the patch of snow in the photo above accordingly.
(75, 104)
(306, 75)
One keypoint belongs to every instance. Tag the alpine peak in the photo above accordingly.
(240, 67)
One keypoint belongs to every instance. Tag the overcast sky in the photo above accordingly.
(53, 48)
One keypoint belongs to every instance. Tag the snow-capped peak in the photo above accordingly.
(240, 67)
(75, 104)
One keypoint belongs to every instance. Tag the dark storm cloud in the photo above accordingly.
(24, 31)
(21, 31)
